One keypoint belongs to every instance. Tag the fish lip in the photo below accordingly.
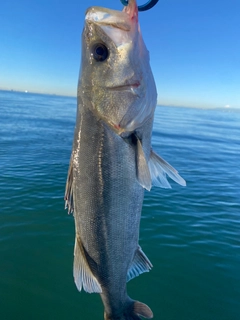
(105, 17)
(127, 86)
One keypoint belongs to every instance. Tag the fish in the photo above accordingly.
(112, 161)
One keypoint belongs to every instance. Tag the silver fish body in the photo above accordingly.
(112, 161)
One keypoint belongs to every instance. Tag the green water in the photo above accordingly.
(191, 235)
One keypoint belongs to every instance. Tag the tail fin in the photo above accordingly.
(141, 309)
(134, 312)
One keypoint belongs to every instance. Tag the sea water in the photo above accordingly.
(191, 235)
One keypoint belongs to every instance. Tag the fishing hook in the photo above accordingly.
(144, 7)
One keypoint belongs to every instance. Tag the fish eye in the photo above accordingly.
(99, 52)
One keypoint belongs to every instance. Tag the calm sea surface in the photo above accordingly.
(191, 235)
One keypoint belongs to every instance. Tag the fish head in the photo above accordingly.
(115, 72)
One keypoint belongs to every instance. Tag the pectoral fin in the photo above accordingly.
(143, 173)
(139, 265)
(83, 275)
(159, 168)
(69, 189)
(155, 171)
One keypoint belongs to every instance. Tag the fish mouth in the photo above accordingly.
(108, 18)
(124, 87)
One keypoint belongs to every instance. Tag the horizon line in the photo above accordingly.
(159, 103)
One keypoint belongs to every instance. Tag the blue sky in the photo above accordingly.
(194, 48)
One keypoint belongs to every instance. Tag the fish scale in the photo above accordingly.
(106, 188)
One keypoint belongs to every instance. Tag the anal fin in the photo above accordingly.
(83, 275)
(139, 265)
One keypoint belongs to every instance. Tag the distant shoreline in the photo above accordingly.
(227, 109)
(39, 93)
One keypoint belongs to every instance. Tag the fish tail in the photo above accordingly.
(133, 312)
